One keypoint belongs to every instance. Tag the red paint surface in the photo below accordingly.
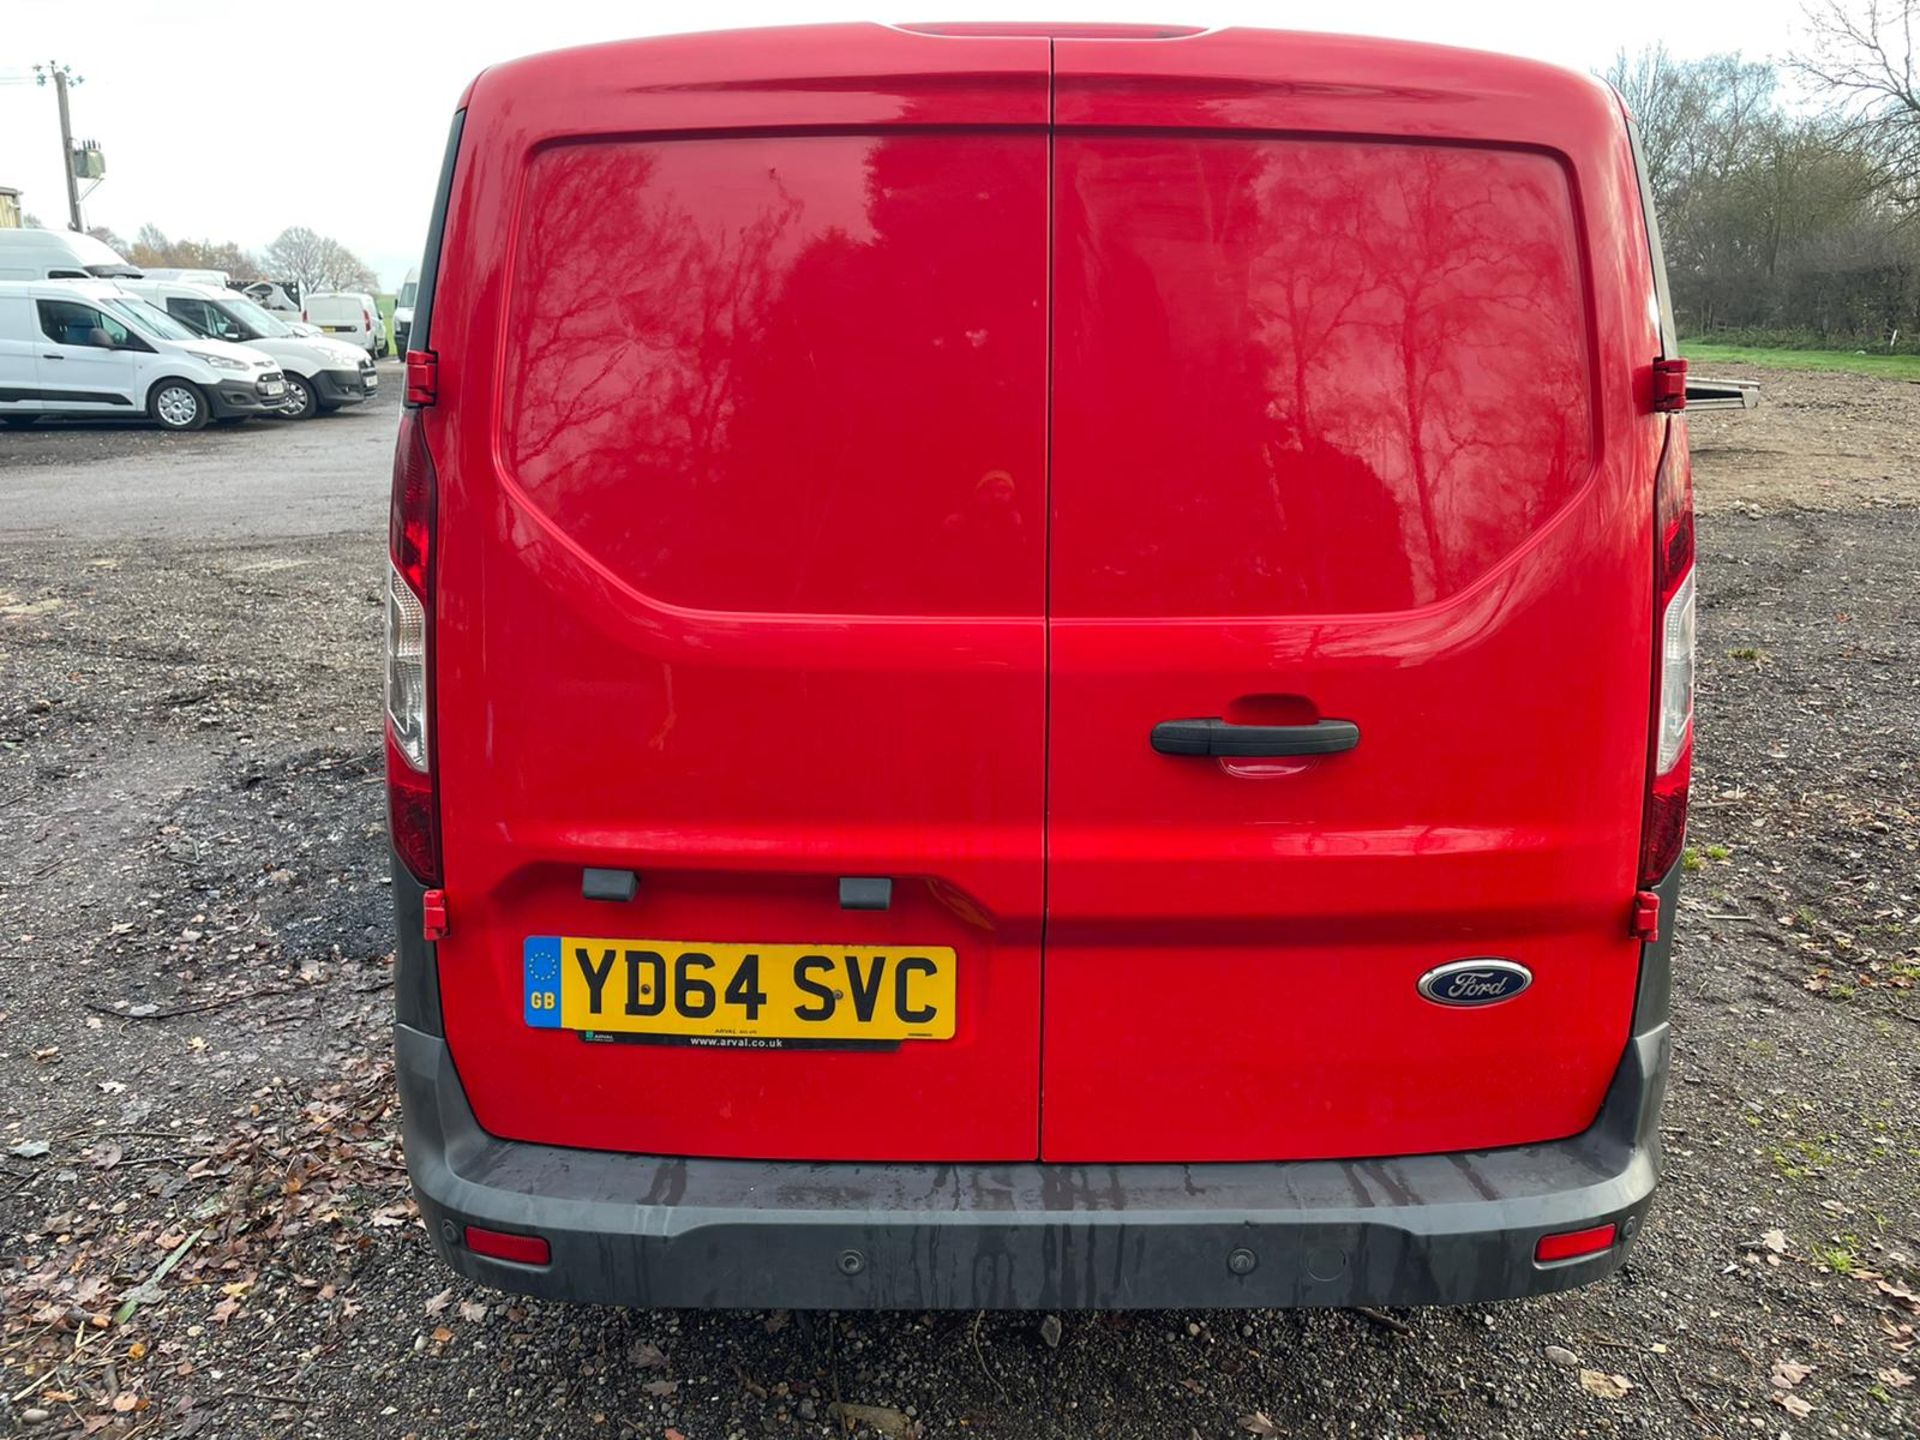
(763, 563)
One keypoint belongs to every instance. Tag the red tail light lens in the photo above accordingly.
(413, 808)
(504, 1245)
(1573, 1244)
(1670, 757)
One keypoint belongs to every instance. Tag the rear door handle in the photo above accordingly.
(53, 357)
(1217, 737)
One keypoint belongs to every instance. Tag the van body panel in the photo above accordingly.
(852, 443)
(743, 576)
(1342, 428)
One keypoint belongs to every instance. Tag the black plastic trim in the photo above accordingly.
(416, 960)
(1654, 1003)
(1219, 737)
(417, 339)
(866, 892)
(339, 387)
(53, 397)
(599, 884)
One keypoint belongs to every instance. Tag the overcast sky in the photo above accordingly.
(227, 121)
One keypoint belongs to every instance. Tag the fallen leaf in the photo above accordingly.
(226, 1310)
(1791, 1403)
(1895, 1291)
(473, 1311)
(1607, 1387)
(1260, 1423)
(441, 1335)
(440, 1301)
(661, 1387)
(646, 1355)
(1894, 1379)
(1789, 1373)
(1776, 1241)
(125, 1401)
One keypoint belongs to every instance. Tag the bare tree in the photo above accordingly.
(152, 248)
(1865, 56)
(317, 262)
(1776, 221)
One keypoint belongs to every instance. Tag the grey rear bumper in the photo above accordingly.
(644, 1230)
(663, 1231)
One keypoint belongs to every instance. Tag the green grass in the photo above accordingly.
(1892, 367)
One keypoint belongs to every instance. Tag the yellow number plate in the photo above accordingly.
(702, 992)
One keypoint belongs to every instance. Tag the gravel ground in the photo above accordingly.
(195, 991)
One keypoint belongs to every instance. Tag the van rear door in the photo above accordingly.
(1350, 478)
(742, 445)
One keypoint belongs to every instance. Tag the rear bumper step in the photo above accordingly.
(647, 1230)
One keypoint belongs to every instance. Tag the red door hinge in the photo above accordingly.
(433, 914)
(423, 377)
(1645, 924)
(1670, 385)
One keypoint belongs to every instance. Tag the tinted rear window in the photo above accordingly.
(732, 364)
(1341, 376)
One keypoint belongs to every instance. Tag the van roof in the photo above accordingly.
(58, 289)
(73, 243)
(186, 287)
(738, 69)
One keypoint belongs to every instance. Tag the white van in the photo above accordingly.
(59, 255)
(322, 373)
(403, 310)
(197, 277)
(350, 314)
(88, 347)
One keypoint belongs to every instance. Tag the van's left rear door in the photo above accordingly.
(742, 446)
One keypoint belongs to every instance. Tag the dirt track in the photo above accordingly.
(193, 1022)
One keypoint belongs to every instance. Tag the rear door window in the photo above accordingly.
(1314, 347)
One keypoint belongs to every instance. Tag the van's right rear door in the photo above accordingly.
(1343, 430)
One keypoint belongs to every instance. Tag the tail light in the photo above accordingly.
(1670, 761)
(413, 802)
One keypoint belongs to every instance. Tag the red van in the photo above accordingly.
(1038, 666)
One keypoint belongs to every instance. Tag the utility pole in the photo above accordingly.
(63, 76)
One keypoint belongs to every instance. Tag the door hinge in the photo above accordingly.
(1646, 916)
(1670, 385)
(433, 914)
(423, 377)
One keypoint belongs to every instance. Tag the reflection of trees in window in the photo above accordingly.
(1331, 376)
(1428, 296)
(782, 348)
